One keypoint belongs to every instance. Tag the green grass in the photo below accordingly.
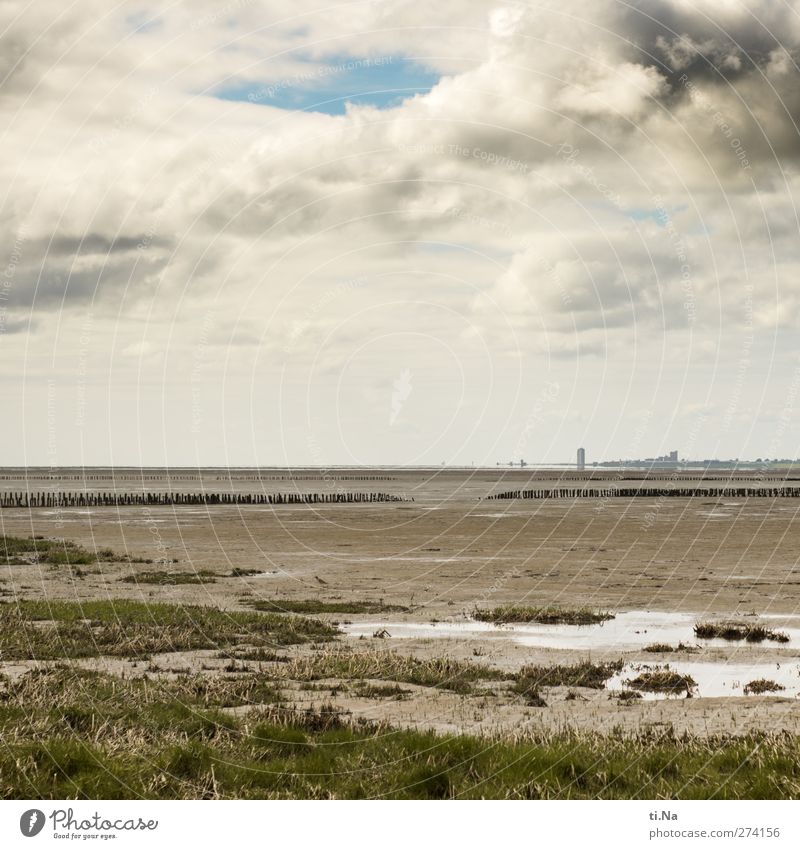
(586, 674)
(543, 615)
(16, 551)
(204, 576)
(315, 606)
(752, 633)
(20, 551)
(69, 734)
(54, 630)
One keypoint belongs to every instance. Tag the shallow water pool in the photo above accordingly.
(627, 631)
(716, 680)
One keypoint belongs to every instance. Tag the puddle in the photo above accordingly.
(628, 631)
(716, 680)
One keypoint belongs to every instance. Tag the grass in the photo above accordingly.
(738, 631)
(346, 665)
(533, 698)
(365, 690)
(762, 685)
(17, 551)
(586, 674)
(41, 630)
(260, 654)
(665, 648)
(21, 551)
(69, 734)
(204, 576)
(662, 680)
(627, 696)
(315, 606)
(543, 615)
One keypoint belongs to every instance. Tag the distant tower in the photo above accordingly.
(581, 459)
(673, 456)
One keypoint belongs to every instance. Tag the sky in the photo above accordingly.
(387, 232)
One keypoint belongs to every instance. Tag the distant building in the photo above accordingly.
(673, 455)
(581, 459)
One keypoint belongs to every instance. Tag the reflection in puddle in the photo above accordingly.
(631, 630)
(718, 679)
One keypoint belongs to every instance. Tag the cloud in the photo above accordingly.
(578, 179)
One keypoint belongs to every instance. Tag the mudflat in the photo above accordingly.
(408, 578)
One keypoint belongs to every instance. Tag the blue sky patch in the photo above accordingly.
(382, 81)
(643, 214)
(659, 214)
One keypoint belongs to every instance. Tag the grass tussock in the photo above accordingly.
(18, 551)
(41, 630)
(762, 685)
(366, 690)
(666, 648)
(316, 606)
(662, 680)
(586, 674)
(752, 633)
(68, 733)
(160, 578)
(628, 696)
(21, 551)
(542, 615)
(345, 665)
(261, 655)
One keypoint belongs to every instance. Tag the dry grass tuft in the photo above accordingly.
(662, 680)
(542, 615)
(592, 675)
(762, 685)
(347, 665)
(752, 633)
(41, 630)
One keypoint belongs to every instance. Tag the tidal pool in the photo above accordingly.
(715, 680)
(627, 631)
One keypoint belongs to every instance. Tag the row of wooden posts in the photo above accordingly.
(644, 476)
(160, 499)
(324, 476)
(654, 492)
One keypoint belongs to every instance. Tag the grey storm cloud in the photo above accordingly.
(55, 282)
(92, 244)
